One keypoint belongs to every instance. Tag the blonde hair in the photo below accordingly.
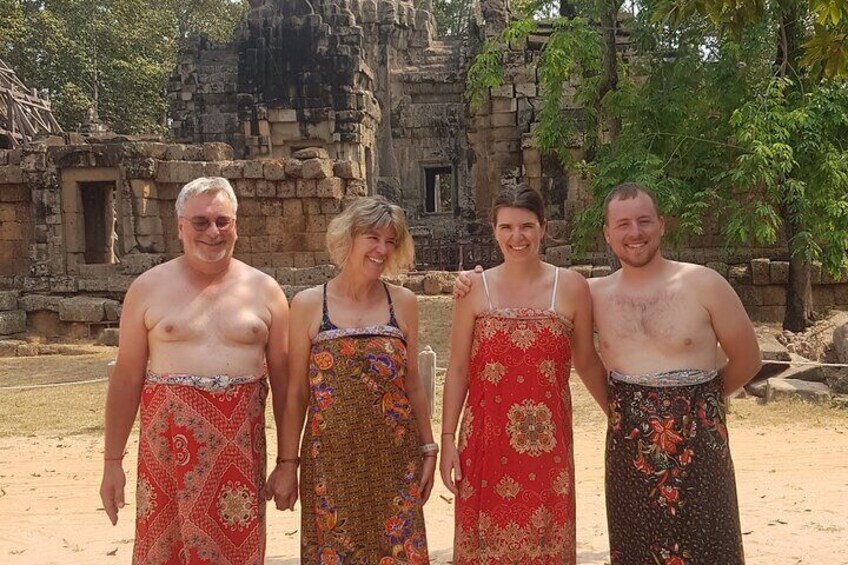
(205, 185)
(366, 214)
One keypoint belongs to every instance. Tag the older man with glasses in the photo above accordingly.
(201, 337)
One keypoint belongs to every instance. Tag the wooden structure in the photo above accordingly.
(23, 115)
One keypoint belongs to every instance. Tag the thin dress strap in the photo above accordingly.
(553, 295)
(392, 319)
(326, 324)
(486, 288)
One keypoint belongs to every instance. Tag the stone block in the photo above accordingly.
(265, 189)
(108, 336)
(287, 189)
(217, 151)
(36, 284)
(525, 90)
(275, 170)
(779, 272)
(63, 285)
(254, 169)
(840, 343)
(788, 389)
(27, 350)
(313, 276)
(311, 153)
(93, 285)
(761, 271)
(601, 271)
(356, 187)
(347, 169)
(304, 259)
(332, 187)
(112, 309)
(815, 273)
(9, 347)
(11, 174)
(9, 300)
(12, 322)
(317, 169)
(82, 309)
(772, 295)
(294, 168)
(212, 170)
(232, 170)
(137, 263)
(307, 188)
(503, 91)
(559, 255)
(585, 270)
(740, 274)
(119, 283)
(36, 302)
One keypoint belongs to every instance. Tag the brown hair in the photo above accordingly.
(522, 196)
(628, 191)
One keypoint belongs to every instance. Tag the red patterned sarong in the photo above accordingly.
(201, 471)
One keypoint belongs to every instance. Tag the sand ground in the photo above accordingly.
(792, 482)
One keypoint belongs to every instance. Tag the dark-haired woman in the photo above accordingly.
(514, 339)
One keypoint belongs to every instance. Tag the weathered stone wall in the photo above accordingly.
(15, 216)
(284, 208)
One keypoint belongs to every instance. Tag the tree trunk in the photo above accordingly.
(567, 9)
(799, 289)
(609, 77)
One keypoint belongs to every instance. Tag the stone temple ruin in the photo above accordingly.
(312, 103)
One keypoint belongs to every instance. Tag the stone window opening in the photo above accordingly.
(98, 218)
(438, 189)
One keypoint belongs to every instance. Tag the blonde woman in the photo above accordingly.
(367, 456)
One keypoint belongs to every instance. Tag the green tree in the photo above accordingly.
(111, 55)
(731, 110)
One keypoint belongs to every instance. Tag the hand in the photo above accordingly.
(427, 474)
(449, 466)
(282, 486)
(112, 489)
(462, 283)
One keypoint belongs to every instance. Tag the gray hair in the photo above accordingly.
(205, 185)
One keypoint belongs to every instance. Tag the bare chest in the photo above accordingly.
(666, 319)
(207, 318)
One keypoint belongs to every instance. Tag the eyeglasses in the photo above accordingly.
(201, 224)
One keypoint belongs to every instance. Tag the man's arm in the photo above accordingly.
(276, 353)
(123, 395)
(733, 330)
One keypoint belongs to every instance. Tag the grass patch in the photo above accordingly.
(78, 409)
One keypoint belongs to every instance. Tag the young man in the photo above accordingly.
(199, 334)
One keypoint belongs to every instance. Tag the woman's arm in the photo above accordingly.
(456, 381)
(407, 309)
(282, 482)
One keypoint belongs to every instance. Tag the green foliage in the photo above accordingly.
(486, 71)
(451, 16)
(119, 52)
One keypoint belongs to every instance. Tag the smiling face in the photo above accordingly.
(519, 233)
(371, 250)
(215, 243)
(634, 230)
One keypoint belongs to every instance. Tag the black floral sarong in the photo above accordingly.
(670, 487)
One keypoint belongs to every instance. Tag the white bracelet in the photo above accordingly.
(430, 448)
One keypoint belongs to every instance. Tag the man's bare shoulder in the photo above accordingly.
(690, 273)
(602, 285)
(166, 271)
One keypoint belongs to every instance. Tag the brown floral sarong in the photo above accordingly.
(670, 487)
